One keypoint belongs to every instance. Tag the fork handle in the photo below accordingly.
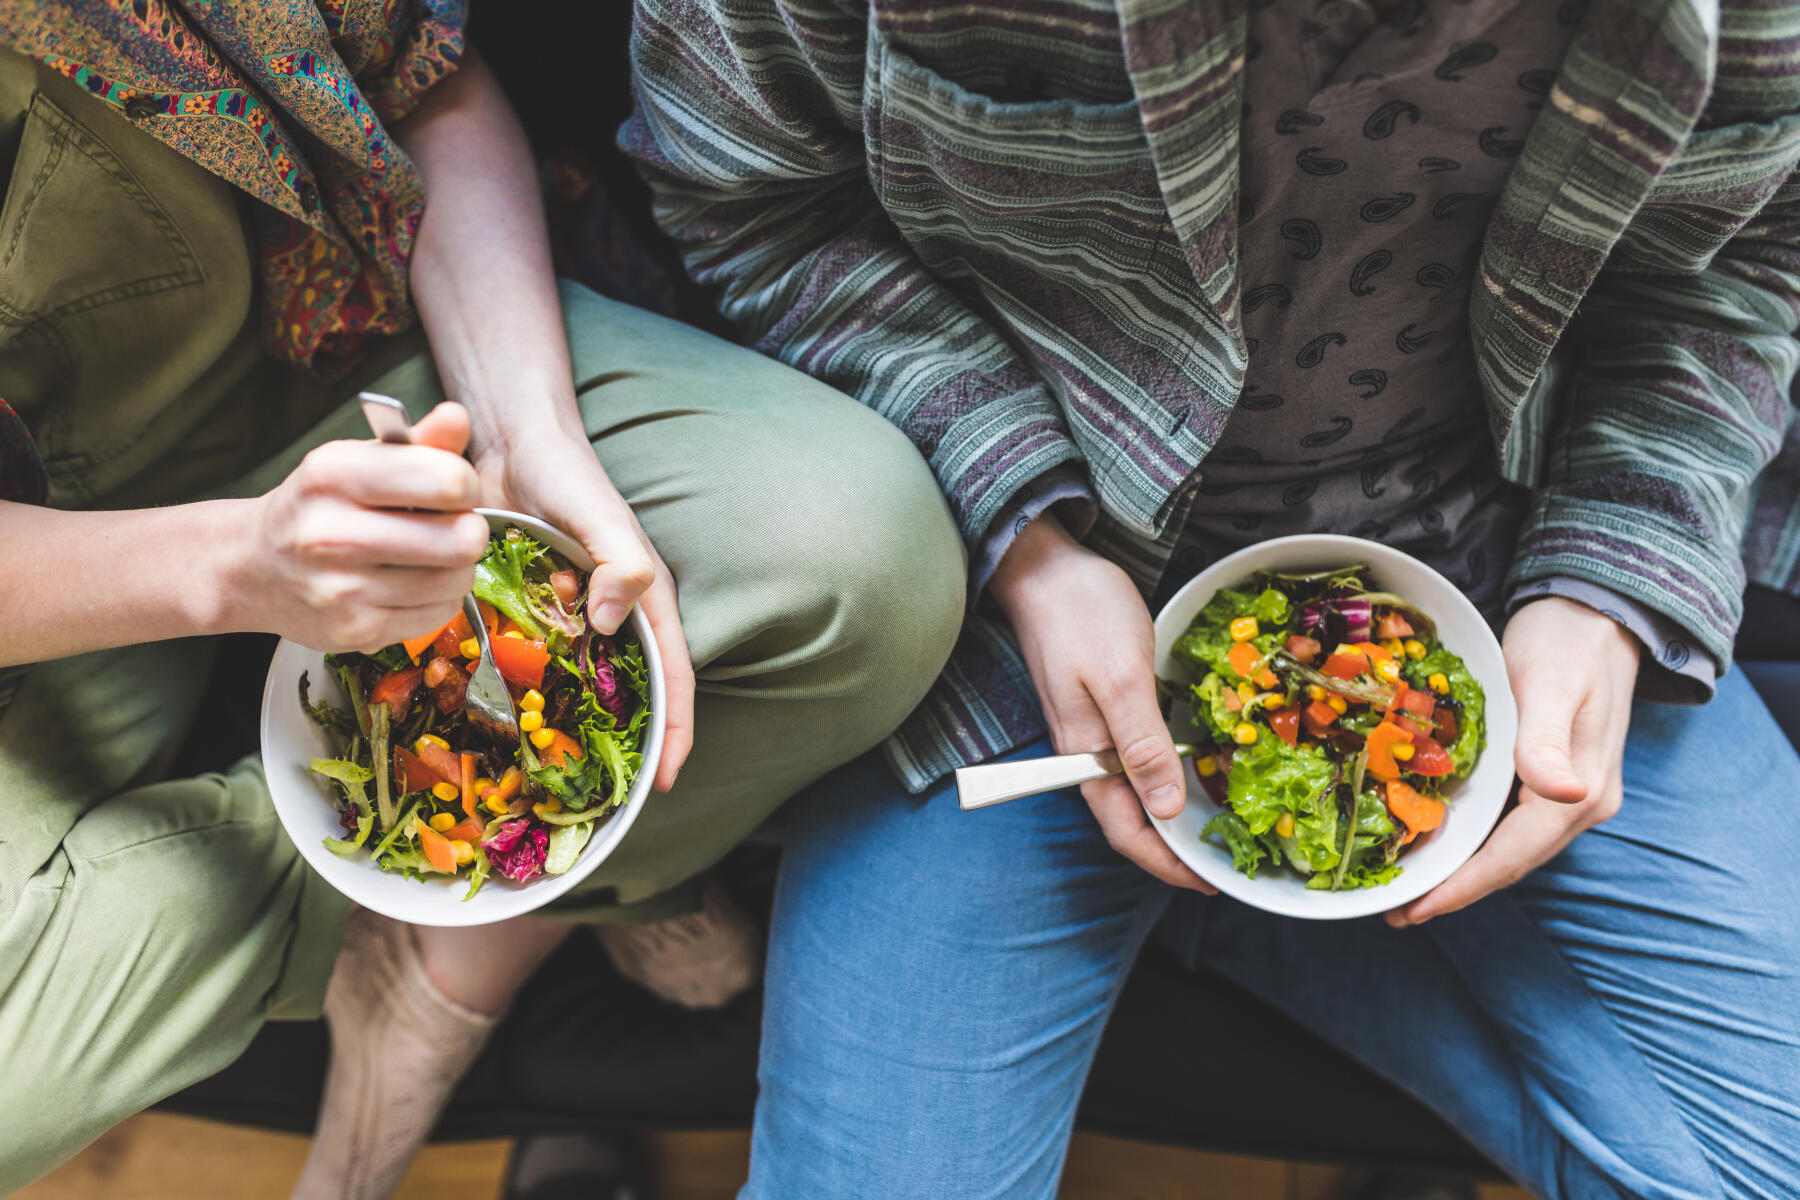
(386, 417)
(996, 783)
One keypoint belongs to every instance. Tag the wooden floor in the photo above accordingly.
(157, 1157)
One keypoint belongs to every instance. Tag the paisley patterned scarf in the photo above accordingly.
(288, 100)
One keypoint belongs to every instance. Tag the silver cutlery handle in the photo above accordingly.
(996, 783)
(386, 417)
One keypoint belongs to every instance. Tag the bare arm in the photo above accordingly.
(486, 292)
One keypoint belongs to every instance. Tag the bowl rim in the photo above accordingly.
(445, 907)
(1228, 571)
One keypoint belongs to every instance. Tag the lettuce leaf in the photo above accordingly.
(364, 823)
(1247, 849)
(328, 715)
(514, 577)
(1269, 778)
(1207, 643)
(1209, 704)
(566, 842)
(1471, 727)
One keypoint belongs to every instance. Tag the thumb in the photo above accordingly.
(623, 571)
(445, 427)
(1546, 722)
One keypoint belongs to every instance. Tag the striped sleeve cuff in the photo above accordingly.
(1064, 487)
(1641, 555)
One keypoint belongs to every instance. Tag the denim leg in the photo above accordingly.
(1625, 1022)
(936, 987)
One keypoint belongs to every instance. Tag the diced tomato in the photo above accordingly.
(521, 661)
(466, 783)
(444, 764)
(1318, 718)
(490, 616)
(1443, 720)
(1419, 704)
(1233, 702)
(435, 670)
(437, 850)
(411, 772)
(1411, 724)
(561, 746)
(568, 587)
(1400, 693)
(450, 638)
(1286, 723)
(1382, 740)
(395, 690)
(452, 689)
(1429, 758)
(1303, 648)
(469, 830)
(1393, 626)
(1346, 666)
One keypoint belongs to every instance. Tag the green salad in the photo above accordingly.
(1337, 717)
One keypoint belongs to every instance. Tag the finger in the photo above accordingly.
(349, 535)
(445, 427)
(624, 568)
(415, 587)
(1530, 836)
(1142, 740)
(1121, 816)
(382, 476)
(678, 679)
(1548, 704)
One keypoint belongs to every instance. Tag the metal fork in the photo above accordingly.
(487, 700)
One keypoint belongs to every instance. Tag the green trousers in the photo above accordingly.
(148, 926)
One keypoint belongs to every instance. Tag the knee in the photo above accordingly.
(873, 525)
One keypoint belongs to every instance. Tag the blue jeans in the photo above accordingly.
(1625, 1022)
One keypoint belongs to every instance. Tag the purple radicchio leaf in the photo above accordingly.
(517, 849)
(608, 688)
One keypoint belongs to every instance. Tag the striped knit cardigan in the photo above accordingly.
(1021, 284)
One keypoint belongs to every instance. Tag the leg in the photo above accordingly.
(1624, 1022)
(937, 985)
(146, 929)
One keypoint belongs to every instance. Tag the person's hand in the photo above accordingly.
(558, 480)
(1089, 645)
(364, 544)
(1573, 672)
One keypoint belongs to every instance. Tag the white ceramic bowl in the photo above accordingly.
(306, 810)
(1475, 802)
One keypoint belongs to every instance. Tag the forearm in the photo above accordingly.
(80, 581)
(481, 270)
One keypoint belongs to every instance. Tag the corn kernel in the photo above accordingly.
(1244, 734)
(430, 739)
(514, 633)
(1246, 691)
(531, 720)
(1438, 683)
(442, 821)
(482, 784)
(1337, 704)
(1415, 649)
(1206, 766)
(1394, 646)
(465, 853)
(497, 806)
(1402, 751)
(1347, 648)
(532, 701)
(447, 792)
(546, 807)
(1266, 700)
(469, 648)
(542, 738)
(1284, 825)
(1387, 669)
(1244, 628)
(1315, 692)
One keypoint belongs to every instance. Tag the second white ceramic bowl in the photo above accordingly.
(1475, 801)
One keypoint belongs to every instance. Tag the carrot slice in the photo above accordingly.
(1418, 812)
(470, 830)
(1243, 659)
(1346, 666)
(468, 785)
(1382, 740)
(512, 782)
(416, 646)
(437, 850)
(561, 746)
(450, 638)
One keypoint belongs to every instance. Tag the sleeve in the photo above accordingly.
(747, 125)
(1679, 402)
(1671, 671)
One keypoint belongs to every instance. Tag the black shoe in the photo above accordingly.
(579, 1166)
